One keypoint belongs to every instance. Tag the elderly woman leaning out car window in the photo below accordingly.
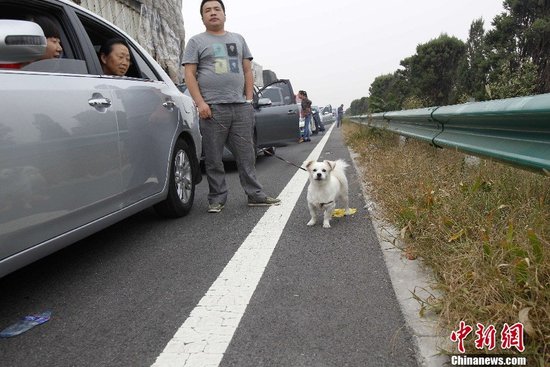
(115, 57)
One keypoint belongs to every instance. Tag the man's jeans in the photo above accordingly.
(307, 123)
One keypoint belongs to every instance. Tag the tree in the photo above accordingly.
(358, 106)
(388, 92)
(474, 69)
(521, 35)
(507, 83)
(433, 70)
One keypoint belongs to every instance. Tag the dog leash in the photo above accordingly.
(264, 150)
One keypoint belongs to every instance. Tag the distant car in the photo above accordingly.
(317, 119)
(276, 124)
(326, 114)
(80, 150)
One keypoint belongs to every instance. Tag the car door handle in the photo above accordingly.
(291, 112)
(99, 102)
(169, 104)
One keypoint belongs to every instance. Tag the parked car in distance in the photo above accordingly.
(80, 150)
(276, 124)
(326, 114)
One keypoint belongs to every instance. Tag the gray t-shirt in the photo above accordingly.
(219, 62)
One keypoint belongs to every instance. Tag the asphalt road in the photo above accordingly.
(118, 297)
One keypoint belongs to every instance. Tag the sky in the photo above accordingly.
(335, 52)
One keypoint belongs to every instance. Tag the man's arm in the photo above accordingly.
(194, 90)
(248, 79)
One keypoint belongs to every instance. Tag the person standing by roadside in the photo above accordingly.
(218, 73)
(339, 115)
(306, 114)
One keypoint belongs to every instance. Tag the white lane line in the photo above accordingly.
(204, 337)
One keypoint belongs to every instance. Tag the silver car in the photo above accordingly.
(326, 114)
(80, 150)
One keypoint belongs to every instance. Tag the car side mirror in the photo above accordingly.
(264, 102)
(21, 41)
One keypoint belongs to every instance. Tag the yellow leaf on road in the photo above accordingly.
(339, 213)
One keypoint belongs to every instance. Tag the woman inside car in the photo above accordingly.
(114, 56)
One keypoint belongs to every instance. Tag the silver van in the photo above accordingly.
(80, 150)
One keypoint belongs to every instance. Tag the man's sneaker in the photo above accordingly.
(268, 201)
(215, 208)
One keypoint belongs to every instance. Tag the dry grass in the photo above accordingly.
(483, 229)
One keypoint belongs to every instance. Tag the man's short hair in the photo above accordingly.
(303, 92)
(48, 26)
(220, 1)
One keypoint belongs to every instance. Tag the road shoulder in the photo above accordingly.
(410, 281)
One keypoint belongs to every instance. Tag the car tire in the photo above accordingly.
(181, 192)
(269, 151)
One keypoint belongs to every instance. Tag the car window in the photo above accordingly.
(146, 71)
(281, 91)
(274, 94)
(99, 33)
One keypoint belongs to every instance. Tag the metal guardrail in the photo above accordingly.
(514, 130)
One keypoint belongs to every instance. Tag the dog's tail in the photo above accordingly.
(340, 165)
(339, 169)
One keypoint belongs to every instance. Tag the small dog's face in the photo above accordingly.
(319, 171)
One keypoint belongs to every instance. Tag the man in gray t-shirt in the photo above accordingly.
(218, 74)
(219, 66)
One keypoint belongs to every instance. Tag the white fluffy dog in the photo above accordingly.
(327, 183)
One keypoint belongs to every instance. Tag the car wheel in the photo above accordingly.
(269, 151)
(181, 192)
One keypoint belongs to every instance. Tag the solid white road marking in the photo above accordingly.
(204, 337)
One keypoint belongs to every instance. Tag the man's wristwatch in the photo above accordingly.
(249, 101)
